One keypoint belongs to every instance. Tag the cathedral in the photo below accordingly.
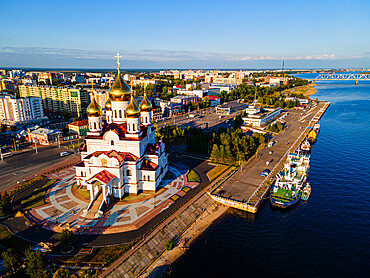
(120, 156)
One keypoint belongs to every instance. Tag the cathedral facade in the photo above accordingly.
(121, 155)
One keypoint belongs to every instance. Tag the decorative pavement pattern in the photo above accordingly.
(64, 205)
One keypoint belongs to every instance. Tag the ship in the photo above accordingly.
(306, 192)
(291, 180)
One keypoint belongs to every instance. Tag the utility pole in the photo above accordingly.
(1, 155)
(58, 141)
(36, 145)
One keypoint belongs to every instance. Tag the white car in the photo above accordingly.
(270, 152)
(64, 153)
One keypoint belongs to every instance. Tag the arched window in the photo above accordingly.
(120, 113)
(104, 162)
(148, 178)
(94, 125)
(115, 113)
(128, 173)
(112, 142)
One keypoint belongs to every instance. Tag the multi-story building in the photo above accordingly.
(58, 99)
(20, 109)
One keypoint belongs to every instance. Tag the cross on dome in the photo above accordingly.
(118, 56)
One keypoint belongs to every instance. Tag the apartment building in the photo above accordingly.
(20, 109)
(58, 99)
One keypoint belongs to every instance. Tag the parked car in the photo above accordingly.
(64, 153)
(265, 173)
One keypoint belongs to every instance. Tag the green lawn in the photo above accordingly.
(74, 146)
(193, 176)
(11, 241)
(83, 191)
(217, 171)
(37, 197)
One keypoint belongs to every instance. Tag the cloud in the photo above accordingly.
(156, 55)
(147, 58)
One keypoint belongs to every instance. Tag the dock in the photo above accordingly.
(245, 189)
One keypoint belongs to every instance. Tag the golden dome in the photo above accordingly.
(132, 110)
(93, 110)
(108, 105)
(145, 105)
(120, 91)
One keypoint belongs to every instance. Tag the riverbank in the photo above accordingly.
(306, 90)
(162, 265)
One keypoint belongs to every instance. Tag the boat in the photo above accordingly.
(306, 146)
(312, 137)
(287, 189)
(306, 192)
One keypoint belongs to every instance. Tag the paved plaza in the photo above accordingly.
(64, 205)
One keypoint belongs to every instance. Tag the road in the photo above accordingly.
(26, 163)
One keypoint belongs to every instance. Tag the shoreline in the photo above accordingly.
(162, 265)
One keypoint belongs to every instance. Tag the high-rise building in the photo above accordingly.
(54, 99)
(20, 109)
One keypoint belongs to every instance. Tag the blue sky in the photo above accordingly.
(185, 34)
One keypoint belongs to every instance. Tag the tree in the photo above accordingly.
(64, 273)
(12, 261)
(66, 237)
(35, 263)
(5, 203)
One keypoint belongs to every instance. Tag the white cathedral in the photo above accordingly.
(120, 156)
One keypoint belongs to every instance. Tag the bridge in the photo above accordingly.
(343, 76)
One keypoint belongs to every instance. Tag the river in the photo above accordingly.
(326, 237)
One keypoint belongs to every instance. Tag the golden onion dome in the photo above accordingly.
(108, 105)
(119, 91)
(132, 110)
(145, 105)
(94, 110)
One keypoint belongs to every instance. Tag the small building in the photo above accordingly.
(229, 108)
(214, 100)
(45, 136)
(184, 100)
(79, 127)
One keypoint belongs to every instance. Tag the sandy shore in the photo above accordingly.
(160, 266)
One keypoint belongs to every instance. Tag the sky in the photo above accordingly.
(185, 34)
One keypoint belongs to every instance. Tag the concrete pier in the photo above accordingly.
(246, 189)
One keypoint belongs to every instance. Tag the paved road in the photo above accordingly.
(26, 163)
(243, 184)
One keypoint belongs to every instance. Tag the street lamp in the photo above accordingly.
(36, 145)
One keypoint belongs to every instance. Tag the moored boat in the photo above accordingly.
(306, 146)
(306, 192)
(287, 188)
(312, 137)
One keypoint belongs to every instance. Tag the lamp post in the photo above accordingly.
(35, 145)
